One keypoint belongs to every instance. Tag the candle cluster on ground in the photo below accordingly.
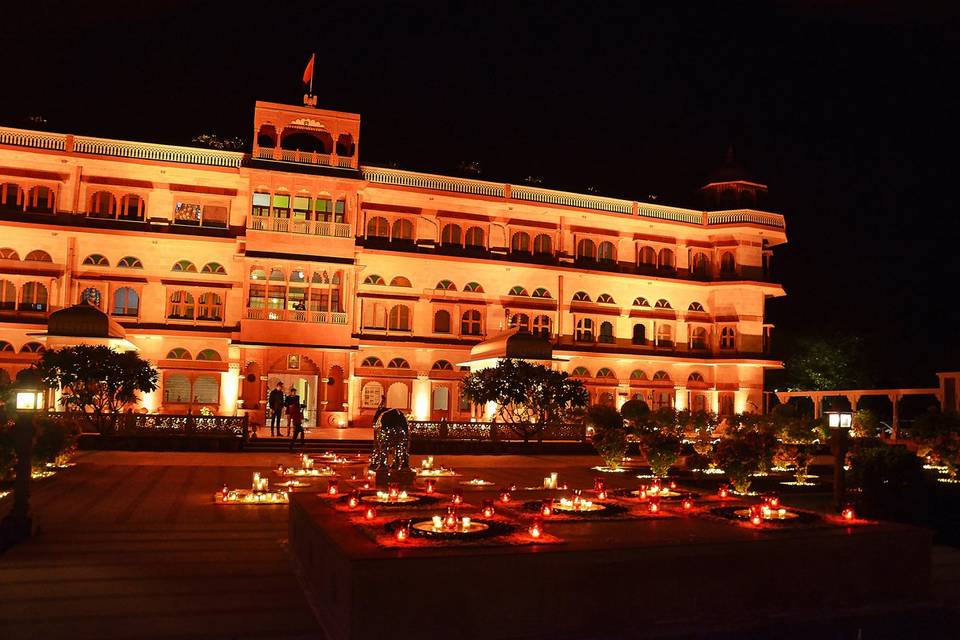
(657, 489)
(769, 509)
(307, 468)
(259, 493)
(427, 469)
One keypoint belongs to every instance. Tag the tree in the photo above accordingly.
(528, 396)
(609, 434)
(741, 455)
(214, 141)
(634, 411)
(818, 364)
(937, 435)
(96, 381)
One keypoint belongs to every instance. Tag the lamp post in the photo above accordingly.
(29, 398)
(839, 423)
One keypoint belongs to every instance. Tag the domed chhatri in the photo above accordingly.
(83, 321)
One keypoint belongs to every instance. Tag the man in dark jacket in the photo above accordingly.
(276, 401)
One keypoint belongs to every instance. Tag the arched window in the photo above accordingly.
(131, 207)
(606, 298)
(662, 304)
(665, 259)
(700, 265)
(441, 321)
(473, 287)
(370, 394)
(518, 291)
(8, 295)
(400, 281)
(40, 200)
(399, 319)
(604, 372)
(728, 338)
(378, 227)
(398, 396)
(581, 296)
(345, 145)
(176, 388)
(442, 365)
(638, 374)
(606, 252)
(374, 315)
(7, 253)
(32, 347)
(521, 321)
(33, 297)
(474, 238)
(297, 275)
(129, 262)
(126, 302)
(728, 264)
(698, 338)
(451, 235)
(580, 372)
(661, 376)
(373, 279)
(446, 285)
(584, 332)
(11, 196)
(541, 326)
(90, 296)
(211, 306)
(520, 242)
(695, 306)
(695, 377)
(371, 361)
(542, 245)
(6, 347)
(277, 275)
(256, 273)
(206, 390)
(540, 292)
(640, 301)
(38, 255)
(470, 323)
(639, 334)
(209, 355)
(214, 267)
(184, 266)
(647, 257)
(96, 260)
(664, 335)
(586, 250)
(103, 204)
(181, 306)
(606, 332)
(179, 353)
(398, 363)
(402, 229)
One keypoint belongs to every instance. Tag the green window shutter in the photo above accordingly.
(281, 202)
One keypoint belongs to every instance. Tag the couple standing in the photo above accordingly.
(289, 404)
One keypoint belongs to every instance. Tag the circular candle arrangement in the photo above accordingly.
(293, 484)
(439, 472)
(451, 527)
(576, 506)
(387, 499)
(477, 482)
(766, 514)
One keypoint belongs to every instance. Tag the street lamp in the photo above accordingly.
(839, 423)
(29, 398)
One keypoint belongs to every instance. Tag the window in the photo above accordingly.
(370, 394)
(604, 372)
(181, 306)
(398, 363)
(214, 267)
(581, 296)
(256, 273)
(441, 399)
(661, 376)
(32, 347)
(606, 332)
(301, 208)
(38, 255)
(206, 390)
(662, 304)
(518, 291)
(402, 229)
(441, 321)
(728, 338)
(261, 205)
(211, 306)
(606, 298)
(399, 319)
(40, 200)
(11, 196)
(298, 275)
(639, 334)
(473, 287)
(371, 361)
(665, 259)
(700, 264)
(698, 338)
(647, 257)
(641, 302)
(90, 296)
(521, 321)
(695, 377)
(323, 208)
(209, 355)
(374, 279)
(179, 353)
(96, 260)
(400, 281)
(606, 253)
(8, 254)
(520, 242)
(187, 213)
(665, 335)
(6, 347)
(8, 295)
(542, 245)
(541, 326)
(277, 275)
(584, 332)
(374, 315)
(129, 262)
(378, 227)
(176, 388)
(580, 372)
(470, 323)
(451, 234)
(638, 374)
(474, 238)
(103, 204)
(728, 264)
(340, 211)
(446, 285)
(442, 365)
(131, 207)
(586, 250)
(33, 297)
(126, 302)
(281, 205)
(695, 306)
(184, 266)
(540, 292)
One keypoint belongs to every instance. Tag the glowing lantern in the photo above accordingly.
(456, 497)
(437, 522)
(602, 494)
(353, 501)
(723, 492)
(333, 487)
(504, 496)
(653, 506)
(451, 521)
(488, 509)
(393, 490)
(371, 513)
(687, 504)
(848, 513)
(465, 522)
(430, 484)
(546, 509)
(536, 528)
(402, 533)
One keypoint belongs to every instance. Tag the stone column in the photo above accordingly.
(895, 401)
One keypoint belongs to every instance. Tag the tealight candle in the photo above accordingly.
(451, 521)
(371, 513)
(401, 534)
(403, 495)
(774, 501)
(602, 494)
(642, 493)
(456, 497)
(723, 492)
(393, 489)
(332, 487)
(256, 481)
(654, 506)
(437, 522)
(756, 520)
(535, 529)
(352, 502)
(430, 484)
(546, 508)
(848, 513)
(781, 513)
(465, 522)
(504, 496)
(365, 485)
(673, 485)
(687, 504)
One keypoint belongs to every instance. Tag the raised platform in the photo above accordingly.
(616, 578)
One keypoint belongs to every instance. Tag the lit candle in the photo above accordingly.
(332, 487)
(848, 513)
(781, 513)
(766, 511)
(602, 494)
(256, 481)
(673, 485)
(437, 522)
(465, 522)
(488, 509)
(365, 485)
(654, 506)
(393, 489)
(430, 483)
(456, 497)
(401, 534)
(280, 469)
(642, 492)
(723, 492)
(371, 513)
(774, 501)
(687, 504)
(536, 528)
(553, 479)
(504, 496)
(546, 482)
(756, 519)
(403, 495)
(353, 501)
(546, 508)
(451, 521)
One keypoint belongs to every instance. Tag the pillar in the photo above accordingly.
(895, 401)
(421, 397)
(817, 405)
(679, 398)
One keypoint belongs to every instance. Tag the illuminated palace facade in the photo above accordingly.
(231, 271)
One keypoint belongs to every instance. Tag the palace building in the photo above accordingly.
(294, 262)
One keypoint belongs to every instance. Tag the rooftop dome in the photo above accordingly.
(513, 344)
(83, 321)
(730, 171)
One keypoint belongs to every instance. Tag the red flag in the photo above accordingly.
(308, 72)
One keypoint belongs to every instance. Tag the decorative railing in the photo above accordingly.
(433, 182)
(33, 139)
(161, 152)
(746, 215)
(158, 423)
(490, 431)
(306, 227)
(670, 213)
(579, 201)
(294, 315)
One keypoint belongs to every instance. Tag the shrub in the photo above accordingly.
(891, 483)
(740, 456)
(54, 442)
(634, 411)
(610, 436)
(661, 449)
(8, 452)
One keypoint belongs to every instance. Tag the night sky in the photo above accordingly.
(846, 110)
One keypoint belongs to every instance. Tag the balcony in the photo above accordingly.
(293, 315)
(304, 227)
(304, 157)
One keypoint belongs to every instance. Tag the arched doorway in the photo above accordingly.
(440, 403)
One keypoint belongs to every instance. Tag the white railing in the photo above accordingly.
(33, 139)
(305, 227)
(749, 216)
(576, 200)
(433, 182)
(161, 152)
(670, 213)
(294, 315)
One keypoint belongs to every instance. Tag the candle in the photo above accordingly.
(756, 519)
(365, 485)
(451, 521)
(465, 522)
(488, 509)
(723, 491)
(673, 485)
(536, 528)
(504, 496)
(602, 494)
(280, 469)
(393, 489)
(401, 534)
(774, 501)
(546, 508)
(437, 522)
(353, 501)
(256, 481)
(371, 513)
(403, 495)
(781, 513)
(848, 513)
(553, 479)
(654, 506)
(332, 487)
(456, 497)
(687, 504)
(642, 492)
(546, 482)
(430, 483)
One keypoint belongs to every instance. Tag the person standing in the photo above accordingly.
(293, 397)
(276, 402)
(295, 413)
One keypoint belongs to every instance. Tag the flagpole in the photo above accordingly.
(312, 58)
